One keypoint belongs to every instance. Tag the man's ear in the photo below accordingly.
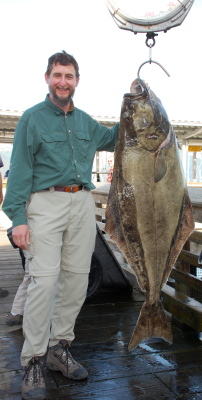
(46, 78)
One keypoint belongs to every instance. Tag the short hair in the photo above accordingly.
(62, 58)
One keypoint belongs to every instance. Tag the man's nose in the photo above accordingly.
(63, 81)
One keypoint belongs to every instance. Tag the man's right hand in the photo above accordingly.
(21, 236)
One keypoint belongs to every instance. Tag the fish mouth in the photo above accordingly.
(137, 91)
(135, 96)
(155, 137)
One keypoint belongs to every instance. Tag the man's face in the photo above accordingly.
(62, 82)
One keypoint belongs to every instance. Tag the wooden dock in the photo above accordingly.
(154, 370)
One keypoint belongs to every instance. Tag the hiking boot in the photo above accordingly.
(13, 319)
(3, 292)
(33, 383)
(60, 359)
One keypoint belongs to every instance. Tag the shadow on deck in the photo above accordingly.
(155, 370)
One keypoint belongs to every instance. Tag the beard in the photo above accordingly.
(61, 101)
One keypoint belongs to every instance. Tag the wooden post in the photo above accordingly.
(184, 267)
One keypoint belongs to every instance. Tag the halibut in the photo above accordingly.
(149, 213)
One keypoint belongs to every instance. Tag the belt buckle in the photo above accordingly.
(71, 189)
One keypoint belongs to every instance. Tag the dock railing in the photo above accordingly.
(182, 295)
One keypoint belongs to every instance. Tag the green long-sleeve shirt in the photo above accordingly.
(52, 149)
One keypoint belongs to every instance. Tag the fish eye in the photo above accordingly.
(126, 115)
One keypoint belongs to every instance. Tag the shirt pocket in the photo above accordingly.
(55, 149)
(81, 144)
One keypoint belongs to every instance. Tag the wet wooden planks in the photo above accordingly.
(155, 370)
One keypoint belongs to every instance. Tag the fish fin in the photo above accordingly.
(184, 231)
(160, 167)
(152, 322)
(113, 225)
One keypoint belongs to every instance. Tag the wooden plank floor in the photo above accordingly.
(155, 370)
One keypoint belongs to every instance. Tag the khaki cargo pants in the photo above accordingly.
(63, 231)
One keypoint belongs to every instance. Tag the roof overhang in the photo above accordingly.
(189, 133)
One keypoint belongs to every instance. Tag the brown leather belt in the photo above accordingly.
(69, 189)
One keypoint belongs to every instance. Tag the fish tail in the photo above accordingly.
(152, 322)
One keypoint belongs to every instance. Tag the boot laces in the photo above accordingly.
(63, 356)
(34, 369)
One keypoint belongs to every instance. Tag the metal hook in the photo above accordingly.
(150, 36)
(151, 61)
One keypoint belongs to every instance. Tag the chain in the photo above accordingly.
(150, 36)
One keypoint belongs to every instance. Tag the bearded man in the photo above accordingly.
(49, 201)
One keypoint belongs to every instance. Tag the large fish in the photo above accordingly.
(149, 213)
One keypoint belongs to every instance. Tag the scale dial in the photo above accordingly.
(149, 9)
(145, 15)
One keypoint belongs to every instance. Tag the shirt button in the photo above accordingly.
(78, 176)
(69, 131)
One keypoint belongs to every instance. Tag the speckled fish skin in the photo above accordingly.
(149, 213)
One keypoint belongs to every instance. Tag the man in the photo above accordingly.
(15, 316)
(3, 292)
(1, 182)
(49, 200)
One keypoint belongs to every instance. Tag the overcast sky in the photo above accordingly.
(109, 58)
